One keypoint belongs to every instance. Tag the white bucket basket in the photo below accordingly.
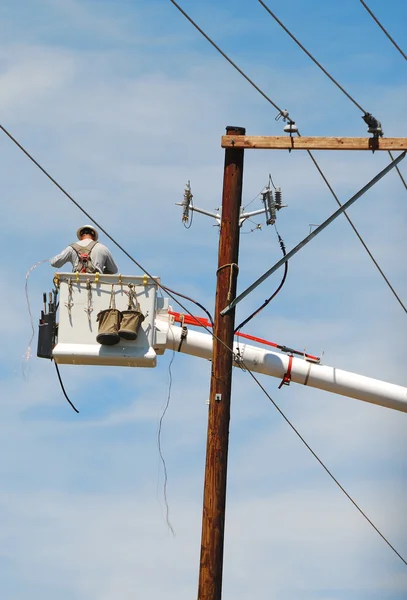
(82, 296)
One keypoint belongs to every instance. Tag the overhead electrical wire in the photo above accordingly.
(383, 29)
(358, 234)
(324, 466)
(310, 56)
(230, 61)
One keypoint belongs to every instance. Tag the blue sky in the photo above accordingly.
(123, 102)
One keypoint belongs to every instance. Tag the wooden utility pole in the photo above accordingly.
(213, 518)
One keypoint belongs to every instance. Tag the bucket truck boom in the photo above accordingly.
(82, 296)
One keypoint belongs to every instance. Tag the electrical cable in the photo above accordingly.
(230, 61)
(167, 510)
(311, 57)
(398, 171)
(383, 29)
(63, 389)
(358, 234)
(266, 302)
(166, 289)
(323, 465)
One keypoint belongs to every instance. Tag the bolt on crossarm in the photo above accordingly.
(214, 501)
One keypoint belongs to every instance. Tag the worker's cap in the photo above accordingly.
(87, 229)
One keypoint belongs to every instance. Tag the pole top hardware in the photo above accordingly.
(374, 126)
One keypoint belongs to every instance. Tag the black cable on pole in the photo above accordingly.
(311, 57)
(63, 389)
(324, 466)
(266, 302)
(383, 29)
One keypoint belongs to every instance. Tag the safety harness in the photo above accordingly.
(85, 264)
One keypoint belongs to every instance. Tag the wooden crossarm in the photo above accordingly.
(312, 143)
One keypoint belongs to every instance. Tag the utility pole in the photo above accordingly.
(214, 501)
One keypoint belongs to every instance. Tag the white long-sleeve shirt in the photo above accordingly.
(100, 256)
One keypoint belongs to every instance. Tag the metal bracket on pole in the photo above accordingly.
(313, 234)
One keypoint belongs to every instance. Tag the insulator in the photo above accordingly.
(291, 128)
(278, 197)
(270, 207)
(186, 202)
(374, 126)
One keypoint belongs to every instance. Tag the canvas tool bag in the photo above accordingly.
(109, 323)
(132, 318)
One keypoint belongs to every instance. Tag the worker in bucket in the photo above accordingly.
(87, 255)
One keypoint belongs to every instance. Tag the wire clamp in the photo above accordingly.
(287, 376)
(184, 334)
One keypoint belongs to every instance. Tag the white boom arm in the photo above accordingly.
(264, 361)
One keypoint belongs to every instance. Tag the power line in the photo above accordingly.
(383, 29)
(358, 234)
(398, 171)
(230, 61)
(311, 57)
(325, 467)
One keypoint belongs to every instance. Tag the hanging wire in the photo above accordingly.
(323, 465)
(383, 29)
(63, 389)
(208, 314)
(167, 510)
